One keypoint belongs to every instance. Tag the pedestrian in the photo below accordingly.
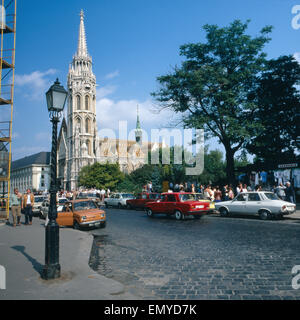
(225, 193)
(15, 202)
(193, 190)
(245, 188)
(218, 194)
(27, 204)
(102, 192)
(230, 193)
(280, 191)
(150, 186)
(289, 193)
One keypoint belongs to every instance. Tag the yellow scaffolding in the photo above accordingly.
(8, 16)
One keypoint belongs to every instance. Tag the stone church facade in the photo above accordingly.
(78, 142)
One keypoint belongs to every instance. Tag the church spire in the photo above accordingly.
(138, 130)
(138, 124)
(82, 47)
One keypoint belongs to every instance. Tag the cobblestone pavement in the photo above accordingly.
(211, 258)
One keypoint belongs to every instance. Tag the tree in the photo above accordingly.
(100, 176)
(211, 88)
(278, 98)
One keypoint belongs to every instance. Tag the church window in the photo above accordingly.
(78, 103)
(87, 125)
(88, 146)
(78, 124)
(87, 102)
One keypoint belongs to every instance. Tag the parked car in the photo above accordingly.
(263, 203)
(202, 198)
(38, 200)
(180, 204)
(82, 213)
(44, 208)
(141, 199)
(118, 200)
(89, 195)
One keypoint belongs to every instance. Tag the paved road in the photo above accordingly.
(211, 258)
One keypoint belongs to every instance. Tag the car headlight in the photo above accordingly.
(83, 218)
(102, 215)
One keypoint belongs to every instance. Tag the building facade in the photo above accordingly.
(31, 172)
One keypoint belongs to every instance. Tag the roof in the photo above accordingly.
(41, 158)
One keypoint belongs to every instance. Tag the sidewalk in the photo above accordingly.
(22, 252)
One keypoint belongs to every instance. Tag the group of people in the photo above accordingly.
(285, 192)
(228, 192)
(18, 203)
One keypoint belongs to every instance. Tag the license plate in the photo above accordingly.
(199, 207)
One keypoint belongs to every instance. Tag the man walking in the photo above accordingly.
(15, 202)
(28, 201)
(289, 193)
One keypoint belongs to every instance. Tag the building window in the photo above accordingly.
(87, 102)
(78, 102)
(87, 125)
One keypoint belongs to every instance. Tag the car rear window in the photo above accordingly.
(271, 196)
(188, 197)
(128, 195)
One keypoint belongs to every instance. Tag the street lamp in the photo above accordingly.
(56, 98)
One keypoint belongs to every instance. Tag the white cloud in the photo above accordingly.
(110, 112)
(35, 83)
(105, 91)
(112, 75)
(297, 56)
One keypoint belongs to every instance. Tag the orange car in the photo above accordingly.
(81, 213)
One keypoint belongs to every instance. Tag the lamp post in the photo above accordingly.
(56, 98)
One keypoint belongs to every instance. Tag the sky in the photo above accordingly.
(131, 42)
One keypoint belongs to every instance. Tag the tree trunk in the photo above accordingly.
(230, 166)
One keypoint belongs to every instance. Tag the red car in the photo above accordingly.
(180, 204)
(141, 200)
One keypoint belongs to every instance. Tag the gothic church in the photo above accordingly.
(78, 142)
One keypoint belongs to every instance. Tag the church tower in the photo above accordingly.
(138, 130)
(81, 114)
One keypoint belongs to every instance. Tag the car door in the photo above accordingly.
(65, 217)
(110, 200)
(170, 204)
(238, 204)
(253, 203)
(116, 199)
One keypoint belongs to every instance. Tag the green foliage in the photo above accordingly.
(279, 100)
(212, 86)
(99, 176)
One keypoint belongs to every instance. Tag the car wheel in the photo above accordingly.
(149, 213)
(119, 206)
(129, 207)
(224, 212)
(103, 225)
(76, 225)
(106, 205)
(264, 215)
(179, 215)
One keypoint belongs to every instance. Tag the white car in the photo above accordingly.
(38, 200)
(118, 200)
(45, 207)
(263, 203)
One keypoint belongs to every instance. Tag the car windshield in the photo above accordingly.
(128, 195)
(271, 196)
(84, 205)
(188, 197)
(39, 199)
(61, 201)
